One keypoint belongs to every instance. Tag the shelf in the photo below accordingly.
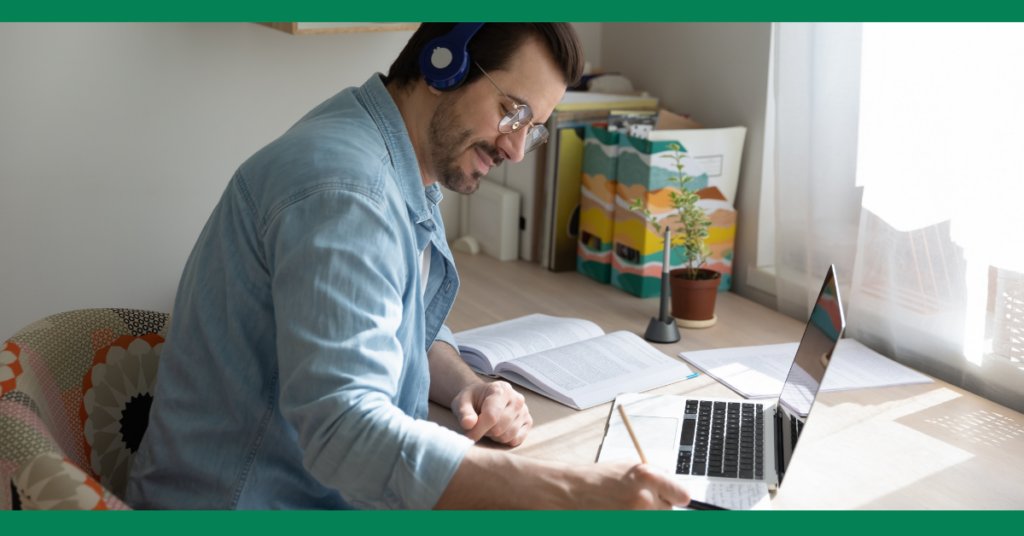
(315, 28)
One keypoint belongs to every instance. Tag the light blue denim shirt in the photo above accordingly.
(295, 371)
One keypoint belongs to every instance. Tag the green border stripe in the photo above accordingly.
(523, 10)
(877, 523)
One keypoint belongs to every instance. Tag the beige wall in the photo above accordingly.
(718, 72)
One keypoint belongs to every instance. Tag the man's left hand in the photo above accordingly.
(494, 410)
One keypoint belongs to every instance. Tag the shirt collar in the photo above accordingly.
(434, 194)
(385, 114)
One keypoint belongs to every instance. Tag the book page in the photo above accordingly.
(594, 371)
(522, 336)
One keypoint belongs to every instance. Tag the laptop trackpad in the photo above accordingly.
(657, 436)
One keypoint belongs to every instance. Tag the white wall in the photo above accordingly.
(117, 140)
(718, 72)
(590, 34)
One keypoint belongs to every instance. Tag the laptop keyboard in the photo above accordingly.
(795, 427)
(723, 439)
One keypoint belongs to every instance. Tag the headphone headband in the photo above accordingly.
(444, 62)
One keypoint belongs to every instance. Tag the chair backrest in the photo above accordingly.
(75, 392)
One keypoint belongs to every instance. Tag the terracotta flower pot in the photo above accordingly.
(694, 299)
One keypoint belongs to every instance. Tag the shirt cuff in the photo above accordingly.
(445, 335)
(426, 467)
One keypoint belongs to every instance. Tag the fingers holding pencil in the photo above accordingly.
(667, 490)
(671, 494)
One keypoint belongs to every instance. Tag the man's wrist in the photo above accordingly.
(449, 374)
(562, 482)
(494, 479)
(551, 485)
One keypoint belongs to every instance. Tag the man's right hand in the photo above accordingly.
(623, 485)
(491, 479)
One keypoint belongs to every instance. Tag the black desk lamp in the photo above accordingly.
(663, 328)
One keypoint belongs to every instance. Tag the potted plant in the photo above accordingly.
(694, 287)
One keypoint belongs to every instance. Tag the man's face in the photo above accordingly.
(464, 138)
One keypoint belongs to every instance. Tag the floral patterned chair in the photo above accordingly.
(75, 392)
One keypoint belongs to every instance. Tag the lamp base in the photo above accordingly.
(664, 332)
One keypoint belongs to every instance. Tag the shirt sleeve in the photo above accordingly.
(337, 292)
(445, 335)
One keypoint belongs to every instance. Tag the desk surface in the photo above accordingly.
(931, 446)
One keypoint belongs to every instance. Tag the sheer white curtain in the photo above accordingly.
(937, 283)
(816, 80)
(926, 121)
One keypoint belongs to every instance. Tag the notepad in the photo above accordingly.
(569, 360)
(729, 495)
(760, 371)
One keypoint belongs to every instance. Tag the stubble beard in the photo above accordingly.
(447, 139)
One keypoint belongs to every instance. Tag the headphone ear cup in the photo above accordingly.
(444, 61)
(458, 83)
(443, 64)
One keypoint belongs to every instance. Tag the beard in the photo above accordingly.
(448, 142)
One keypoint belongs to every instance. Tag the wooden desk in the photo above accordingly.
(931, 446)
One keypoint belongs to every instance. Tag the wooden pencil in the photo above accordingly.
(632, 435)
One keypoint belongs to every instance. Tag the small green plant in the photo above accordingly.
(693, 222)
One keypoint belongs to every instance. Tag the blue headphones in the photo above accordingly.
(444, 62)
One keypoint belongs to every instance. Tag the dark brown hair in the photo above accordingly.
(492, 48)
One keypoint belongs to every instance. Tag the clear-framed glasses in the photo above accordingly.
(518, 117)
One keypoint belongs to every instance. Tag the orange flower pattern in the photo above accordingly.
(68, 425)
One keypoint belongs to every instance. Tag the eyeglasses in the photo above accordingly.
(517, 118)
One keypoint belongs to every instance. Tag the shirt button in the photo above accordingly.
(449, 287)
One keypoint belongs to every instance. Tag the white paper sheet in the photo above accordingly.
(759, 371)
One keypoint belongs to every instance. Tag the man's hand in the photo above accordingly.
(494, 410)
(483, 409)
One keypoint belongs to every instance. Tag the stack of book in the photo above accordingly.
(562, 164)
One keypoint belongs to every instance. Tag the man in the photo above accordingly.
(308, 327)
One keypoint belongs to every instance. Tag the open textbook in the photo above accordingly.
(568, 360)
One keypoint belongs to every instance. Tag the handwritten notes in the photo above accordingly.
(731, 495)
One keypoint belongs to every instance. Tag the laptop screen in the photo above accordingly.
(808, 370)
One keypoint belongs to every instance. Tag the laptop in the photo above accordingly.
(733, 440)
